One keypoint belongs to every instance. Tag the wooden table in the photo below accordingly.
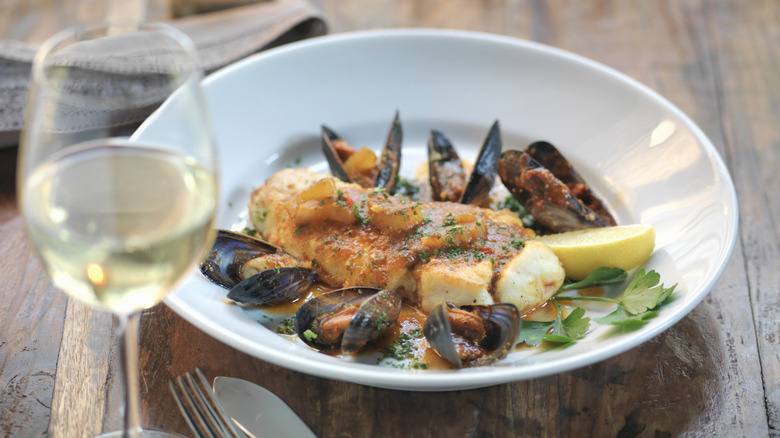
(715, 373)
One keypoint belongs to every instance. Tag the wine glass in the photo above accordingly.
(119, 204)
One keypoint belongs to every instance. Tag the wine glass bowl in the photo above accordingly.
(116, 221)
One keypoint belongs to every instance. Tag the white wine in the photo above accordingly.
(117, 224)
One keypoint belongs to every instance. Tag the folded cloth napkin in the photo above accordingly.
(221, 38)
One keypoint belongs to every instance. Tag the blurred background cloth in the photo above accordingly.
(223, 31)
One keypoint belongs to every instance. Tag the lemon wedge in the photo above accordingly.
(582, 251)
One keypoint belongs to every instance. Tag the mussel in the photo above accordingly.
(472, 335)
(546, 184)
(360, 166)
(347, 319)
(229, 264)
(446, 173)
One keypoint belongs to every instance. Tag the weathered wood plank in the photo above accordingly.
(82, 373)
(745, 41)
(31, 313)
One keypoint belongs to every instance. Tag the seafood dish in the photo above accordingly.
(472, 269)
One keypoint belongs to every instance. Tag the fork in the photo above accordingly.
(202, 411)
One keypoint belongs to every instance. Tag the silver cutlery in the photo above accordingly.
(258, 411)
(200, 409)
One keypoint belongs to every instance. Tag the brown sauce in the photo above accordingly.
(592, 291)
(545, 312)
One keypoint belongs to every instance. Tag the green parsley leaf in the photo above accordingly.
(599, 276)
(533, 332)
(575, 325)
(621, 317)
(640, 300)
(559, 330)
(643, 294)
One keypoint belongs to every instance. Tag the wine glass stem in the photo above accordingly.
(127, 326)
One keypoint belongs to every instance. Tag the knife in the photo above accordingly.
(258, 411)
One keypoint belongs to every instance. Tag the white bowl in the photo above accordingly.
(647, 160)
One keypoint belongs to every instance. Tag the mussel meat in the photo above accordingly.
(556, 196)
(472, 335)
(235, 262)
(360, 166)
(347, 319)
(549, 157)
(446, 173)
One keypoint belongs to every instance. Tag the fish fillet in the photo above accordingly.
(430, 252)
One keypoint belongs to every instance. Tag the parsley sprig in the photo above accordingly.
(559, 330)
(639, 302)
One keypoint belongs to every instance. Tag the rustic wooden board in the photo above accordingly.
(715, 373)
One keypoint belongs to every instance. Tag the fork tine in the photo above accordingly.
(203, 413)
(214, 407)
(189, 409)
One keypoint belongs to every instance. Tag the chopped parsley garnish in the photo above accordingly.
(361, 218)
(405, 188)
(262, 215)
(513, 205)
(404, 348)
(455, 229)
(309, 335)
(517, 244)
(286, 327)
(249, 232)
(449, 220)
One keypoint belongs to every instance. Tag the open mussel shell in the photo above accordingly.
(547, 198)
(273, 286)
(336, 164)
(229, 253)
(548, 156)
(447, 176)
(484, 173)
(445, 169)
(347, 319)
(477, 345)
(389, 161)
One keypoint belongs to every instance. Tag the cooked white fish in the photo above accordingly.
(430, 252)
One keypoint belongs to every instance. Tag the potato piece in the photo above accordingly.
(393, 214)
(322, 201)
(362, 161)
(361, 167)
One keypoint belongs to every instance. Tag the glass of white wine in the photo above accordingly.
(118, 203)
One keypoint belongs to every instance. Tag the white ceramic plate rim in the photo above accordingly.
(477, 377)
